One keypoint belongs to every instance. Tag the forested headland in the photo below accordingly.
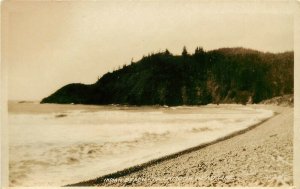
(226, 75)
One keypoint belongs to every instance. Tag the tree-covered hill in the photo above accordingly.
(227, 75)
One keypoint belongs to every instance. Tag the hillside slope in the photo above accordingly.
(227, 75)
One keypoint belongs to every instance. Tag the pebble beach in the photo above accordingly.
(262, 156)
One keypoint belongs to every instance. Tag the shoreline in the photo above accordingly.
(151, 171)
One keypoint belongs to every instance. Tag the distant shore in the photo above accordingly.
(259, 157)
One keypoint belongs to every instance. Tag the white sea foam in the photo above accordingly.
(58, 148)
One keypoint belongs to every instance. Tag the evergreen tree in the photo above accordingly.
(167, 52)
(184, 52)
(199, 50)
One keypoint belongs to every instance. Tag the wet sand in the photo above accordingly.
(262, 156)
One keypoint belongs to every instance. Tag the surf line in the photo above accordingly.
(139, 167)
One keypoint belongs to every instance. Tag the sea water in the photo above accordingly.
(55, 145)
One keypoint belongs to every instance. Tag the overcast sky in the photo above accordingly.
(50, 44)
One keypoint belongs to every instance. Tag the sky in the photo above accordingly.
(48, 44)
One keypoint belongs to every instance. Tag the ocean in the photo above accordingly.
(55, 145)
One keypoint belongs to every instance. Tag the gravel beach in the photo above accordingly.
(262, 156)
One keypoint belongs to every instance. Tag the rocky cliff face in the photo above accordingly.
(284, 100)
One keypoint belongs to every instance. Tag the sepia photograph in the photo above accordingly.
(148, 93)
